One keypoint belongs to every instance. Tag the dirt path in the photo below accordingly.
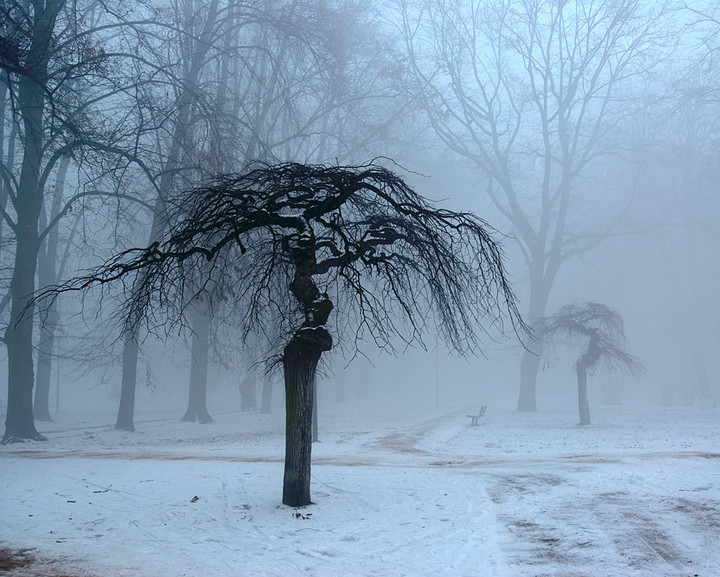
(407, 441)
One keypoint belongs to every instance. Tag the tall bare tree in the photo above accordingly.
(312, 87)
(193, 39)
(31, 58)
(528, 91)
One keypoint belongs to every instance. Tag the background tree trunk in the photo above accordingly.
(248, 391)
(266, 400)
(529, 367)
(7, 158)
(41, 405)
(540, 287)
(583, 404)
(126, 409)
(19, 423)
(47, 275)
(197, 398)
(184, 105)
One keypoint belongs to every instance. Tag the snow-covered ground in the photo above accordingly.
(402, 490)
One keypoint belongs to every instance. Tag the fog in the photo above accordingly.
(631, 201)
(584, 134)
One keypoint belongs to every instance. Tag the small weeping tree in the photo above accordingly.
(599, 332)
(279, 240)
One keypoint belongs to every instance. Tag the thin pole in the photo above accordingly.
(437, 379)
(57, 387)
(315, 438)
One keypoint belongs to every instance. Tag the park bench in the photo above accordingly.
(475, 418)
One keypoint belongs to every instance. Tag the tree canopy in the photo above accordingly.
(386, 254)
(598, 325)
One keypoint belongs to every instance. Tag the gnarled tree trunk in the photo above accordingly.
(587, 361)
(300, 362)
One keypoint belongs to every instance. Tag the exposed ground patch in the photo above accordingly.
(26, 563)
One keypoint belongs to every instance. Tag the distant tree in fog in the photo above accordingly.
(599, 333)
(529, 91)
(287, 244)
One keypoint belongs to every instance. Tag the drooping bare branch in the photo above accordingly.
(392, 261)
(601, 331)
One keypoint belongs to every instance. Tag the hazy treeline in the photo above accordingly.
(585, 131)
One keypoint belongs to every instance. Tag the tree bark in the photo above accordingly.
(41, 405)
(300, 360)
(19, 423)
(197, 397)
(8, 160)
(4, 187)
(591, 356)
(530, 365)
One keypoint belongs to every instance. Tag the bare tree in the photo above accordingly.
(599, 332)
(286, 237)
(195, 39)
(30, 57)
(48, 275)
(66, 87)
(528, 91)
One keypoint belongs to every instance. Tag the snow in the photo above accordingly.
(399, 491)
